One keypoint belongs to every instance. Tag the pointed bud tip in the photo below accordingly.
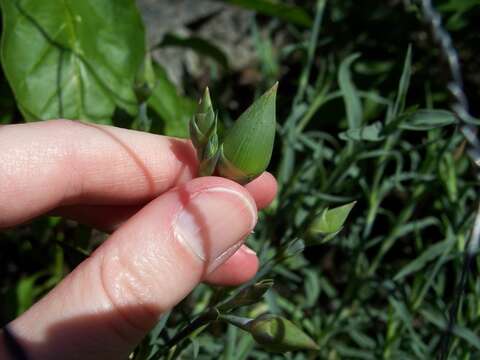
(273, 89)
(206, 92)
(205, 102)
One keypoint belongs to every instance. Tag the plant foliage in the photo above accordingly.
(363, 116)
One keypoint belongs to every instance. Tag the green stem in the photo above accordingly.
(201, 321)
(320, 9)
(404, 216)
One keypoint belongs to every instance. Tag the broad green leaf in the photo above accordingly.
(197, 44)
(7, 102)
(331, 220)
(279, 9)
(371, 132)
(72, 59)
(351, 98)
(174, 109)
(423, 120)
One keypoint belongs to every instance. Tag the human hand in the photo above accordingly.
(169, 232)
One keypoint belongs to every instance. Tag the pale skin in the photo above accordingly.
(169, 231)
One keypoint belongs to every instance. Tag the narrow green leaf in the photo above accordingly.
(404, 84)
(371, 132)
(423, 120)
(362, 339)
(312, 287)
(352, 101)
(462, 332)
(430, 254)
(196, 347)
(286, 12)
(26, 292)
(197, 44)
(404, 315)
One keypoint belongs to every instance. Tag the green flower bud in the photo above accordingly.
(247, 147)
(203, 133)
(248, 296)
(330, 222)
(277, 334)
(204, 123)
(144, 80)
(209, 157)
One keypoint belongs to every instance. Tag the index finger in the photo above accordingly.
(56, 163)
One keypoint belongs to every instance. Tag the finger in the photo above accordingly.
(263, 189)
(238, 269)
(48, 164)
(109, 218)
(107, 304)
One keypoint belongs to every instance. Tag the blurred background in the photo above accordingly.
(363, 116)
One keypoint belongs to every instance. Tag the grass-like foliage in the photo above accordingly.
(377, 196)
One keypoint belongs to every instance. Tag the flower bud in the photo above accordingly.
(247, 147)
(204, 123)
(248, 296)
(209, 157)
(203, 133)
(277, 334)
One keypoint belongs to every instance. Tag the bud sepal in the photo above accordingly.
(273, 333)
(246, 150)
(203, 133)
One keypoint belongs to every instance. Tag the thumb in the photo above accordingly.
(107, 304)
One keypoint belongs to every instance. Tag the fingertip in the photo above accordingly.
(263, 189)
(206, 182)
(237, 270)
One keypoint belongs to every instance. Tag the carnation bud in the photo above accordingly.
(277, 334)
(248, 296)
(247, 147)
(203, 133)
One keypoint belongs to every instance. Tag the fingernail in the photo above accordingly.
(214, 223)
(248, 251)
